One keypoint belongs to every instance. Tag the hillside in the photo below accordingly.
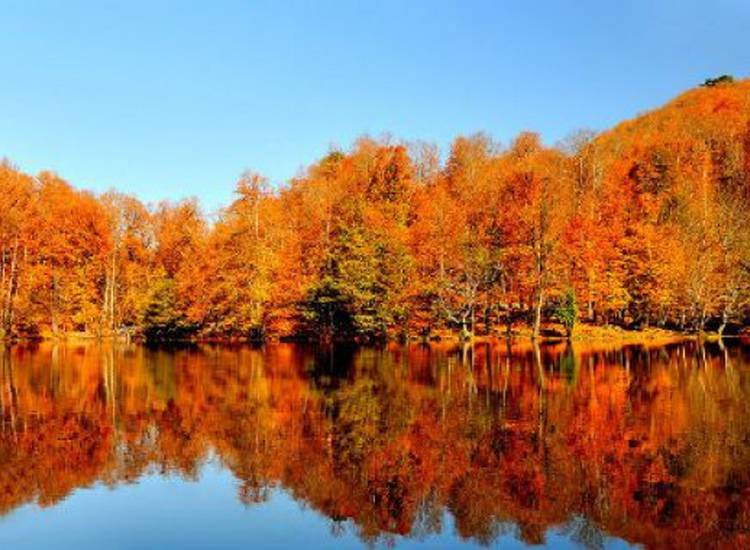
(643, 225)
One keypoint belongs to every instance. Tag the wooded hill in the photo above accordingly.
(643, 225)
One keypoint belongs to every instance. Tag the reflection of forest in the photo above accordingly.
(651, 445)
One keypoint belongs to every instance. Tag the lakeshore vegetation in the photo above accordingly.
(646, 224)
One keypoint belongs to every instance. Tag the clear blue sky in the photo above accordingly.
(174, 99)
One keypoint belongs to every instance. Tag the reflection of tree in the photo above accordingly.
(646, 444)
(584, 532)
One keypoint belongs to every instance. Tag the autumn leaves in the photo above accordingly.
(643, 225)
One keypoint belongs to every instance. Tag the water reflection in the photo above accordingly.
(647, 444)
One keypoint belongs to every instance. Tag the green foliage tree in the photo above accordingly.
(356, 292)
(163, 318)
(718, 81)
(567, 311)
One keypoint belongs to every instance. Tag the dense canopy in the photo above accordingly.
(645, 224)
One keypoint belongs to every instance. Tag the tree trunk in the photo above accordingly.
(464, 330)
(724, 321)
(537, 313)
(53, 306)
(105, 305)
(702, 320)
(2, 289)
(10, 279)
(508, 322)
(113, 294)
(12, 289)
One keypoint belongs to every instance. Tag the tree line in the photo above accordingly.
(642, 225)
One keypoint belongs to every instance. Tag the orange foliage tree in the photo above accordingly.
(644, 224)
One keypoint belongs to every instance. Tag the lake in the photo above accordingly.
(442, 446)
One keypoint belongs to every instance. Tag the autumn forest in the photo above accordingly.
(643, 225)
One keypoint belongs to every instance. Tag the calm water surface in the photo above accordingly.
(120, 446)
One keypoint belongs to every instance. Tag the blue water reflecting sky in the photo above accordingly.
(169, 511)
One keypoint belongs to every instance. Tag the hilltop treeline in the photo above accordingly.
(645, 224)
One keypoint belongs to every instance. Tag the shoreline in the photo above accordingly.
(585, 335)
